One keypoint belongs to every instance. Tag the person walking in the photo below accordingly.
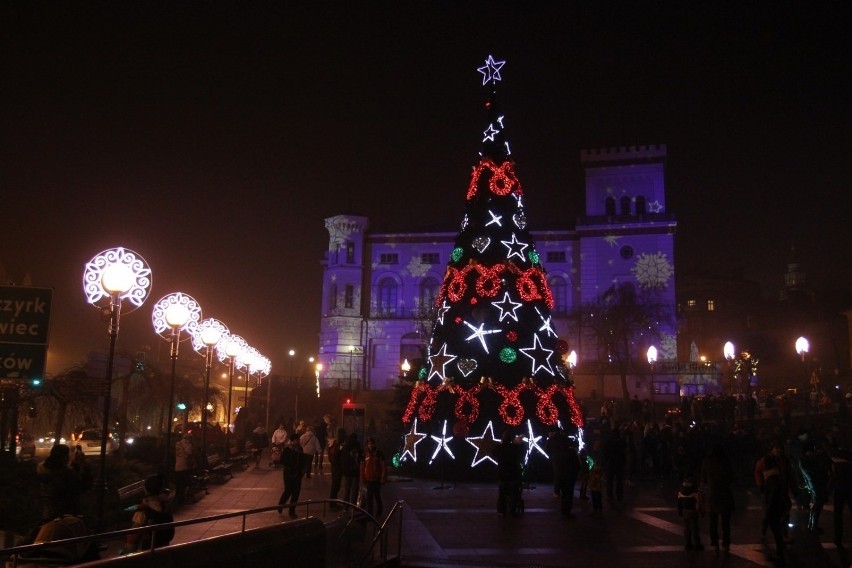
(184, 464)
(615, 458)
(277, 442)
(689, 508)
(842, 481)
(717, 475)
(566, 465)
(310, 447)
(777, 488)
(374, 473)
(815, 465)
(350, 460)
(334, 451)
(321, 432)
(293, 463)
(509, 457)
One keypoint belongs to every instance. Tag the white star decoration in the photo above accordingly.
(515, 247)
(655, 206)
(445, 307)
(532, 443)
(443, 440)
(490, 133)
(545, 324)
(507, 307)
(411, 440)
(480, 333)
(440, 359)
(491, 70)
(484, 444)
(494, 219)
(539, 355)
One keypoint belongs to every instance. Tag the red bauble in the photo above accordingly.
(512, 336)
(562, 347)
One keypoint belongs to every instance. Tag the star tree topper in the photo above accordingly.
(491, 70)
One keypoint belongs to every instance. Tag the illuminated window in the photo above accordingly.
(556, 256)
(350, 252)
(389, 258)
(690, 303)
(559, 289)
(428, 292)
(349, 296)
(711, 305)
(386, 297)
(430, 258)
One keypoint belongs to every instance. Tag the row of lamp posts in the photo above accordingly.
(118, 275)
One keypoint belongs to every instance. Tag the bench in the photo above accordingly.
(238, 459)
(217, 468)
(127, 495)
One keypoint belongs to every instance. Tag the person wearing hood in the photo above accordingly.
(154, 509)
(62, 481)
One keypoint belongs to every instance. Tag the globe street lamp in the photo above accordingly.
(112, 276)
(207, 335)
(652, 361)
(405, 367)
(230, 348)
(172, 314)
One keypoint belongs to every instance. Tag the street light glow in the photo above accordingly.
(802, 346)
(652, 355)
(728, 350)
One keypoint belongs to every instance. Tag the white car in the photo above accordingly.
(90, 442)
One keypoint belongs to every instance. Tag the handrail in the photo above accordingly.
(382, 534)
(14, 552)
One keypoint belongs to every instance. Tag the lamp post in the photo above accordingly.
(803, 347)
(728, 352)
(172, 314)
(110, 277)
(229, 349)
(291, 354)
(652, 361)
(207, 335)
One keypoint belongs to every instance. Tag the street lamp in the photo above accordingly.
(652, 361)
(728, 352)
(112, 276)
(230, 348)
(207, 335)
(291, 354)
(172, 314)
(803, 346)
(405, 367)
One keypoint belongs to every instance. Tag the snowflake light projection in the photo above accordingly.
(668, 347)
(652, 270)
(417, 268)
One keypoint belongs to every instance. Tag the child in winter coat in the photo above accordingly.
(689, 507)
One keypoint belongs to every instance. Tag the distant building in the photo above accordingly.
(379, 287)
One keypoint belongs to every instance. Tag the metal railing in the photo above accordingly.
(39, 553)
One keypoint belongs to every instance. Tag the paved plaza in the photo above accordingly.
(446, 524)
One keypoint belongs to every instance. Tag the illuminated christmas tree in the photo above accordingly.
(494, 360)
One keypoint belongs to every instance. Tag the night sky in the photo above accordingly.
(214, 138)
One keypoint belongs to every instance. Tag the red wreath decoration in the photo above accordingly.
(576, 415)
(511, 410)
(468, 397)
(488, 283)
(427, 407)
(456, 286)
(503, 180)
(412, 401)
(545, 409)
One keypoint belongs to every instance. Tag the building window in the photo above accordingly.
(332, 298)
(625, 205)
(430, 258)
(559, 289)
(349, 296)
(641, 207)
(690, 303)
(626, 252)
(386, 297)
(711, 305)
(350, 252)
(389, 258)
(428, 293)
(609, 206)
(556, 256)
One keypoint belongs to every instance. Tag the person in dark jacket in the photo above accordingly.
(614, 459)
(717, 475)
(292, 463)
(509, 456)
(350, 460)
(689, 508)
(815, 465)
(61, 483)
(566, 466)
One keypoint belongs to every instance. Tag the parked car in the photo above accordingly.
(24, 446)
(90, 441)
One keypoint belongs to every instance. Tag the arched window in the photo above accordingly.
(428, 293)
(625, 205)
(641, 208)
(386, 299)
(559, 289)
(332, 298)
(609, 205)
